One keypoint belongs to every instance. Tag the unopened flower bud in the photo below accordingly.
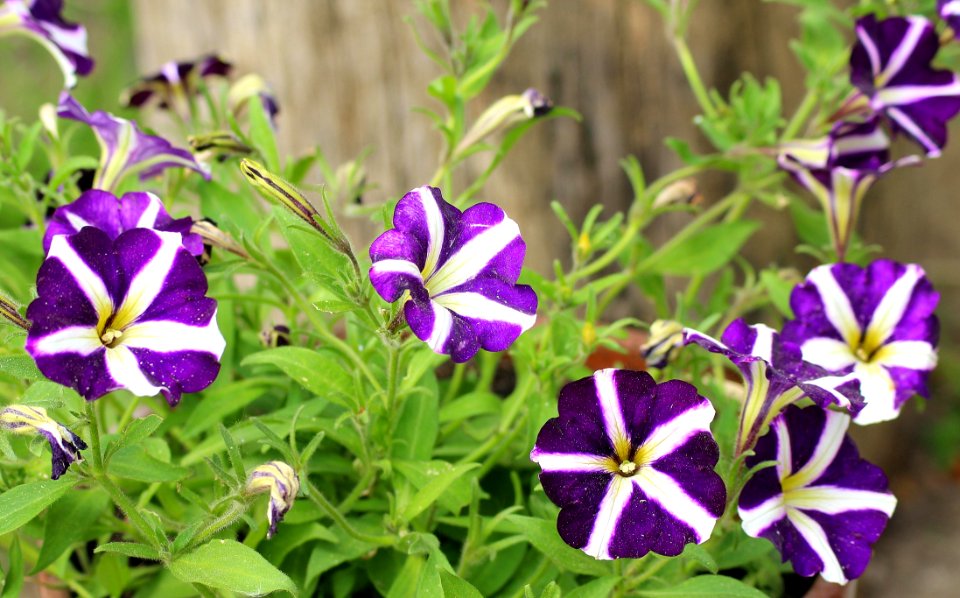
(215, 237)
(9, 311)
(64, 444)
(274, 187)
(683, 191)
(48, 118)
(218, 145)
(283, 484)
(666, 338)
(250, 86)
(537, 104)
(504, 113)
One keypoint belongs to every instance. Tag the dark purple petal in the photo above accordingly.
(42, 20)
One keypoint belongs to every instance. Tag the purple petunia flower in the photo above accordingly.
(282, 482)
(65, 446)
(126, 313)
(876, 323)
(631, 464)
(125, 149)
(41, 20)
(839, 169)
(175, 82)
(891, 66)
(458, 272)
(101, 209)
(776, 376)
(822, 506)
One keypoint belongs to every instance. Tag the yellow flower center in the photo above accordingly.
(628, 468)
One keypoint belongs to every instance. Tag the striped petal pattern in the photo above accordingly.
(65, 446)
(125, 149)
(875, 323)
(456, 272)
(103, 210)
(42, 21)
(283, 484)
(631, 464)
(949, 11)
(822, 506)
(129, 312)
(175, 83)
(776, 375)
(891, 64)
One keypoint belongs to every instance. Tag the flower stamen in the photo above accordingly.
(628, 468)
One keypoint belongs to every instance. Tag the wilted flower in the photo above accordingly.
(283, 484)
(457, 272)
(175, 83)
(822, 506)
(65, 446)
(126, 313)
(876, 323)
(101, 209)
(125, 149)
(276, 336)
(503, 114)
(891, 65)
(663, 344)
(212, 237)
(631, 464)
(949, 11)
(42, 21)
(252, 86)
(839, 169)
(775, 375)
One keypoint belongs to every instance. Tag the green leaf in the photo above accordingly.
(51, 395)
(810, 224)
(320, 372)
(262, 134)
(706, 250)
(139, 430)
(544, 537)
(113, 573)
(471, 405)
(219, 403)
(700, 554)
(778, 290)
(21, 367)
(406, 582)
(707, 586)
(456, 587)
(13, 582)
(68, 522)
(433, 489)
(229, 565)
(146, 462)
(21, 504)
(598, 588)
(318, 260)
(417, 427)
(130, 549)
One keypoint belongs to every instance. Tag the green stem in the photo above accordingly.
(128, 413)
(693, 77)
(217, 524)
(362, 485)
(800, 117)
(506, 428)
(317, 497)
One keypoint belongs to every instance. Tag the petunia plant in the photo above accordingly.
(212, 386)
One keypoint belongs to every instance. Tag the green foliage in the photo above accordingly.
(229, 565)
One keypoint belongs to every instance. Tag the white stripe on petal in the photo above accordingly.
(478, 307)
(831, 438)
(784, 450)
(872, 53)
(124, 369)
(148, 218)
(168, 337)
(914, 130)
(836, 304)
(666, 492)
(89, 282)
(891, 308)
(828, 353)
(442, 327)
(149, 281)
(909, 94)
(915, 355)
(817, 539)
(879, 392)
(831, 383)
(763, 344)
(611, 508)
(610, 408)
(834, 500)
(903, 51)
(75, 221)
(435, 229)
(395, 267)
(671, 435)
(756, 520)
(82, 340)
(571, 462)
(950, 9)
(475, 255)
